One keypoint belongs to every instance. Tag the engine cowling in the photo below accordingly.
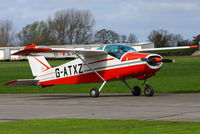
(154, 61)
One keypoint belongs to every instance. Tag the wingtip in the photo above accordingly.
(26, 50)
(31, 46)
(193, 46)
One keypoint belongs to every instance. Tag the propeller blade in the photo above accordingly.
(168, 61)
(148, 59)
(157, 60)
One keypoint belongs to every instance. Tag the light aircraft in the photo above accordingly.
(106, 63)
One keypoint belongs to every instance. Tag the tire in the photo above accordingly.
(148, 91)
(136, 91)
(94, 92)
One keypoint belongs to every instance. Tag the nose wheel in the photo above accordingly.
(148, 90)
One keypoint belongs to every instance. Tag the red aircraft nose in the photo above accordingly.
(157, 59)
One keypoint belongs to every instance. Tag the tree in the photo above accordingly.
(196, 40)
(106, 36)
(160, 38)
(71, 26)
(6, 33)
(184, 43)
(37, 33)
(132, 38)
(175, 40)
(123, 39)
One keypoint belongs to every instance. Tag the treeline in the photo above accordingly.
(162, 38)
(73, 26)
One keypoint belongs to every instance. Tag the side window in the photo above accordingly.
(100, 48)
(114, 50)
(118, 50)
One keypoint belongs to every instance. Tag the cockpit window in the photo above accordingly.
(117, 50)
(100, 48)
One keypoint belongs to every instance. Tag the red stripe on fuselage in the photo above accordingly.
(110, 74)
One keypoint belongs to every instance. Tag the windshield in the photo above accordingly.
(117, 50)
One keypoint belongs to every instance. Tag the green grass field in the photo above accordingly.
(93, 126)
(180, 77)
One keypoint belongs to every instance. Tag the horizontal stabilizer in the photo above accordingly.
(22, 82)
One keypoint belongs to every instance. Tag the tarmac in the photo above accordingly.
(171, 107)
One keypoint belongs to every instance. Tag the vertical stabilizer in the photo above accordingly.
(38, 64)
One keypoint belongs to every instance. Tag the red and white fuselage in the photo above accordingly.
(109, 67)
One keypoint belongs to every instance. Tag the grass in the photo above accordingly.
(180, 77)
(91, 126)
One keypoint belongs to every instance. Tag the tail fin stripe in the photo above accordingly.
(47, 67)
(38, 65)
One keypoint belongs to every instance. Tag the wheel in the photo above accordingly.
(148, 91)
(94, 92)
(136, 91)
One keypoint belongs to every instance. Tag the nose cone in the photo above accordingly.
(157, 59)
(154, 61)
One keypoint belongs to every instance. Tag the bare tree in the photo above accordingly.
(106, 36)
(176, 39)
(132, 38)
(84, 30)
(101, 36)
(71, 26)
(6, 33)
(160, 38)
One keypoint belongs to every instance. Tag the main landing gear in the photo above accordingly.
(94, 92)
(136, 90)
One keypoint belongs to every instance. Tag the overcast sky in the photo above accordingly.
(123, 16)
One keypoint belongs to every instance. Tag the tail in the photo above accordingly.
(38, 64)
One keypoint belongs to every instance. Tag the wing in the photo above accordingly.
(167, 48)
(45, 51)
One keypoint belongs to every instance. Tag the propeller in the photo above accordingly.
(157, 59)
(168, 60)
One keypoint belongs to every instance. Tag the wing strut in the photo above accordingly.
(90, 67)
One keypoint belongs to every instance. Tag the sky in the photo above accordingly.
(122, 16)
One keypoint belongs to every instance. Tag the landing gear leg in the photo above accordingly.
(94, 92)
(136, 91)
(148, 90)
